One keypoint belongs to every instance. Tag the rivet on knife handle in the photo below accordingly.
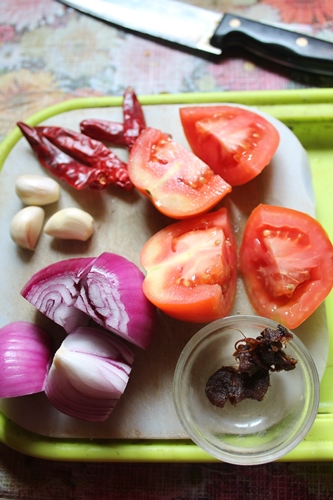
(283, 46)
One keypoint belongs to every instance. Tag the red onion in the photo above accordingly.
(92, 340)
(107, 289)
(89, 373)
(111, 294)
(26, 352)
(54, 289)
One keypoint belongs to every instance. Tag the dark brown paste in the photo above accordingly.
(256, 359)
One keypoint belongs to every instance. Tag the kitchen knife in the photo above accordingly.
(212, 32)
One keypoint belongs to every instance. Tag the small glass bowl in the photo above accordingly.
(251, 432)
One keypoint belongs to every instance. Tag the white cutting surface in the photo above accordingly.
(123, 222)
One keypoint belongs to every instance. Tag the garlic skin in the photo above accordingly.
(37, 190)
(26, 226)
(70, 224)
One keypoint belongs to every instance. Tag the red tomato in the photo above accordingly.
(192, 268)
(236, 143)
(286, 260)
(178, 183)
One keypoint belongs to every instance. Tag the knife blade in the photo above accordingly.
(212, 32)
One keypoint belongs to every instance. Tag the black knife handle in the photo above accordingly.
(285, 47)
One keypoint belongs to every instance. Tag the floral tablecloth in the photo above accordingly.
(50, 53)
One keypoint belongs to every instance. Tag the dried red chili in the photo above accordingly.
(134, 120)
(104, 130)
(76, 158)
(257, 358)
(121, 134)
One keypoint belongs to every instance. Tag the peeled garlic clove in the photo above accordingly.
(70, 224)
(37, 189)
(26, 226)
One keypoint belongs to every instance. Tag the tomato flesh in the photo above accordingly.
(178, 183)
(286, 261)
(235, 142)
(192, 268)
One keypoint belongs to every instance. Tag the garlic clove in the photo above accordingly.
(26, 226)
(37, 189)
(70, 224)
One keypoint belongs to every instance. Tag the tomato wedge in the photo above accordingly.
(286, 261)
(192, 268)
(235, 142)
(178, 183)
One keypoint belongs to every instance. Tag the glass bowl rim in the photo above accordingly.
(252, 458)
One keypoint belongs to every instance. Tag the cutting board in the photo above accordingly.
(123, 222)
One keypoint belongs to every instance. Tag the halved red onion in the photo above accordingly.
(92, 340)
(89, 373)
(111, 294)
(26, 352)
(54, 289)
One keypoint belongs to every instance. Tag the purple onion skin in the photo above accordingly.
(106, 289)
(111, 294)
(54, 289)
(26, 352)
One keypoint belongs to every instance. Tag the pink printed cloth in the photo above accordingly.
(50, 53)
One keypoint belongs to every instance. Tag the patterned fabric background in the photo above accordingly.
(50, 53)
